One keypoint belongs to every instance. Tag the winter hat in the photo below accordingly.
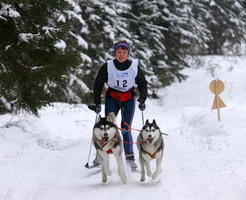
(123, 45)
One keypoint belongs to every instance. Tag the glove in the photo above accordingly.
(98, 108)
(142, 106)
(95, 107)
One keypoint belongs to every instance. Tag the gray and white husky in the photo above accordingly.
(107, 140)
(150, 146)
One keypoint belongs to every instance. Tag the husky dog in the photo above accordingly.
(150, 146)
(106, 139)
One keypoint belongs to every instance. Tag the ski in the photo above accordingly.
(134, 169)
(92, 166)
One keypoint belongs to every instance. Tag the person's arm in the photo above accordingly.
(102, 77)
(142, 85)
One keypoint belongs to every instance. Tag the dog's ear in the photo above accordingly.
(147, 121)
(99, 118)
(111, 117)
(154, 123)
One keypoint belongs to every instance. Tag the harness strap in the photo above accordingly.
(129, 128)
(110, 151)
(105, 143)
(151, 155)
(120, 96)
(127, 142)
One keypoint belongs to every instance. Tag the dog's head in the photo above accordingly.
(150, 132)
(105, 128)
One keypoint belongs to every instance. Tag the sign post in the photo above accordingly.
(216, 87)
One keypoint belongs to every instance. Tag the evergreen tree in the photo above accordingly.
(52, 50)
(104, 26)
(226, 21)
(164, 33)
(35, 53)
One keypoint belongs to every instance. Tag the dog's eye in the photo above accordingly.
(147, 131)
(108, 128)
(101, 128)
(153, 130)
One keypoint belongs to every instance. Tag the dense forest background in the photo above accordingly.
(51, 50)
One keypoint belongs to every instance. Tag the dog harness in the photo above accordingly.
(103, 143)
(146, 152)
(151, 155)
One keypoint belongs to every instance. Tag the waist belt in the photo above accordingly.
(120, 96)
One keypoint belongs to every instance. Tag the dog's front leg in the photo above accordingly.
(141, 161)
(104, 160)
(147, 160)
(149, 172)
(158, 168)
(121, 169)
(104, 176)
(106, 164)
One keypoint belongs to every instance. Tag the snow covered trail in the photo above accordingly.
(162, 188)
(43, 158)
(48, 160)
(51, 167)
(45, 176)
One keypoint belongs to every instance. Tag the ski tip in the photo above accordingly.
(87, 166)
(134, 169)
(91, 166)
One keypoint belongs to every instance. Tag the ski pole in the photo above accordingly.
(87, 164)
(142, 118)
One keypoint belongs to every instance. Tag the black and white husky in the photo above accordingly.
(107, 140)
(150, 146)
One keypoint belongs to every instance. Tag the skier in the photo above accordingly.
(121, 75)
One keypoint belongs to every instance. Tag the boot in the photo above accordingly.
(130, 161)
(96, 161)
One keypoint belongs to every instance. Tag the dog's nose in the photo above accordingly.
(105, 134)
(149, 136)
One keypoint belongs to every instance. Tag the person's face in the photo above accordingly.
(121, 54)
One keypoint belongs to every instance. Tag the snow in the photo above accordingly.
(7, 10)
(81, 41)
(85, 57)
(61, 44)
(27, 36)
(76, 7)
(43, 158)
(72, 14)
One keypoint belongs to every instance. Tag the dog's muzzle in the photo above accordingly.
(105, 137)
(150, 138)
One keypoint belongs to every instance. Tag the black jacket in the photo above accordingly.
(102, 77)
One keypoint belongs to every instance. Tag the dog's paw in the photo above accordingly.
(142, 179)
(124, 179)
(104, 178)
(149, 173)
(155, 175)
(109, 173)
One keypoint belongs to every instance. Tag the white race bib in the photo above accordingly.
(122, 80)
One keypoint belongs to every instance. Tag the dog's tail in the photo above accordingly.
(112, 117)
